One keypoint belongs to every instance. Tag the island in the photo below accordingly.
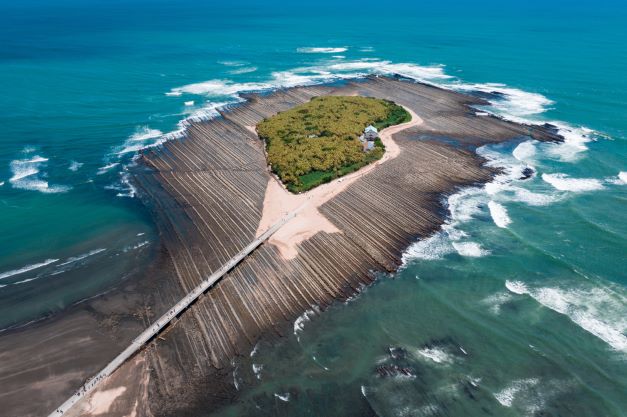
(256, 229)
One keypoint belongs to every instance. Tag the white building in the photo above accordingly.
(371, 133)
(368, 137)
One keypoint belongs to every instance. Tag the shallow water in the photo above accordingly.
(527, 276)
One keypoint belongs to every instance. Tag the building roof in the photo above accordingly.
(371, 128)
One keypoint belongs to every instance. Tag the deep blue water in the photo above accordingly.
(528, 277)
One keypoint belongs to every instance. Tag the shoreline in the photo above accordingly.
(206, 207)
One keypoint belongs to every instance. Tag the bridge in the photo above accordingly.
(155, 328)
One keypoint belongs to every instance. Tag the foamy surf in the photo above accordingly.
(499, 214)
(524, 151)
(75, 166)
(563, 182)
(509, 394)
(104, 169)
(508, 102)
(257, 368)
(321, 50)
(283, 397)
(145, 133)
(243, 70)
(26, 268)
(74, 259)
(299, 323)
(436, 355)
(470, 249)
(599, 311)
(620, 179)
(28, 175)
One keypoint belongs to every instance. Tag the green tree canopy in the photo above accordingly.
(318, 141)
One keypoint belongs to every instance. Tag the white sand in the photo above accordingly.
(309, 221)
(100, 401)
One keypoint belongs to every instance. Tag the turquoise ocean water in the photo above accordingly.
(517, 307)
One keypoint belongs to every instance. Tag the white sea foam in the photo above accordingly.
(28, 175)
(104, 169)
(233, 63)
(495, 301)
(145, 133)
(510, 102)
(620, 179)
(574, 144)
(299, 323)
(517, 287)
(563, 182)
(437, 355)
(130, 190)
(81, 257)
(525, 151)
(1, 183)
(283, 397)
(75, 166)
(257, 370)
(143, 137)
(26, 268)
(499, 214)
(189, 103)
(321, 50)
(432, 248)
(322, 72)
(524, 107)
(136, 246)
(25, 281)
(507, 395)
(243, 70)
(600, 311)
(470, 249)
(220, 88)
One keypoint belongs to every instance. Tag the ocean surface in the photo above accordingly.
(517, 307)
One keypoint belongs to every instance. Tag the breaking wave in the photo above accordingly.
(104, 169)
(74, 259)
(299, 323)
(599, 311)
(28, 174)
(508, 395)
(436, 355)
(243, 70)
(470, 249)
(26, 268)
(145, 133)
(563, 182)
(283, 397)
(321, 50)
(499, 214)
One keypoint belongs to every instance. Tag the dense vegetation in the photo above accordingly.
(318, 141)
